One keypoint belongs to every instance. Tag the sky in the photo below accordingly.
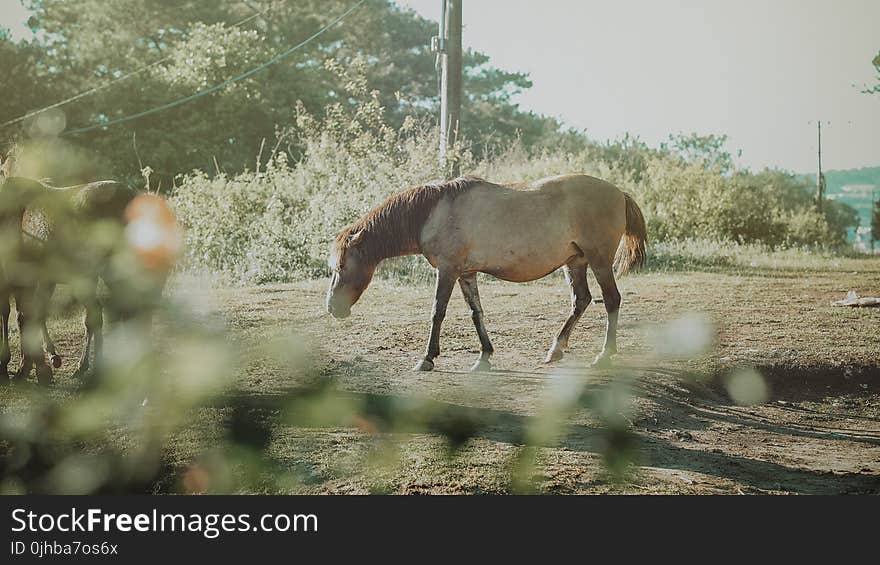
(760, 71)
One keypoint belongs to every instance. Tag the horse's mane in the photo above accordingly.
(392, 228)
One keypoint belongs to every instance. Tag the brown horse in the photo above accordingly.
(515, 233)
(73, 235)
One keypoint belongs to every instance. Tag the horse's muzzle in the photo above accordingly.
(339, 313)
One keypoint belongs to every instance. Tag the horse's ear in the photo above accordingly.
(355, 238)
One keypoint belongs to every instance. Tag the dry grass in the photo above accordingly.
(819, 431)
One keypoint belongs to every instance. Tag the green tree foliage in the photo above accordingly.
(706, 150)
(335, 118)
(90, 42)
(876, 63)
(24, 78)
(875, 222)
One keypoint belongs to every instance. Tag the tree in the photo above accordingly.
(839, 217)
(876, 87)
(707, 150)
(26, 80)
(875, 223)
(91, 42)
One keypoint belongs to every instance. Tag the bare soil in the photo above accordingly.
(818, 432)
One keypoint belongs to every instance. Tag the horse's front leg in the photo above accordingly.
(445, 282)
(45, 295)
(5, 352)
(576, 276)
(468, 284)
(29, 318)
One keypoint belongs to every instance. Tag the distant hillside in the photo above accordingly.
(865, 175)
(853, 187)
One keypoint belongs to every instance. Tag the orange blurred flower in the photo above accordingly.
(153, 232)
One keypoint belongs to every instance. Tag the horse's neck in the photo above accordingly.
(393, 235)
(386, 244)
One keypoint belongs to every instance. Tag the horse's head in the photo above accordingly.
(351, 271)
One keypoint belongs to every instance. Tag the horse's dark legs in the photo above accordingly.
(93, 324)
(45, 295)
(468, 284)
(5, 351)
(24, 368)
(576, 276)
(442, 293)
(30, 312)
(610, 294)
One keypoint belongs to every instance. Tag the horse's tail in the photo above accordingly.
(631, 252)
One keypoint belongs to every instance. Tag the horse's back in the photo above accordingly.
(105, 199)
(580, 185)
(524, 232)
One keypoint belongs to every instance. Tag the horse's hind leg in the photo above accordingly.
(93, 322)
(605, 277)
(49, 346)
(468, 284)
(576, 276)
(5, 352)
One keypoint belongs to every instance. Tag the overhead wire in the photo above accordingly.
(93, 90)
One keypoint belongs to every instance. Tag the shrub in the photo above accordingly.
(275, 223)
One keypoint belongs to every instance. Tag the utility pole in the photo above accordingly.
(875, 209)
(448, 48)
(820, 178)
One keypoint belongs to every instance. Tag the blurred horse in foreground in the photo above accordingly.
(75, 236)
(516, 233)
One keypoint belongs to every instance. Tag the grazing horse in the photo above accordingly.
(73, 235)
(516, 233)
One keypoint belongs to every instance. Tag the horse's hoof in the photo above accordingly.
(481, 365)
(424, 365)
(56, 361)
(602, 361)
(44, 375)
(553, 355)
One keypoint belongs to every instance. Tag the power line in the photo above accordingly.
(216, 87)
(117, 80)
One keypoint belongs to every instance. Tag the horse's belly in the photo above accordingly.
(520, 274)
(523, 266)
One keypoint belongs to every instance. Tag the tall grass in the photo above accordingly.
(732, 256)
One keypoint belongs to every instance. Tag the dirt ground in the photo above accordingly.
(817, 431)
